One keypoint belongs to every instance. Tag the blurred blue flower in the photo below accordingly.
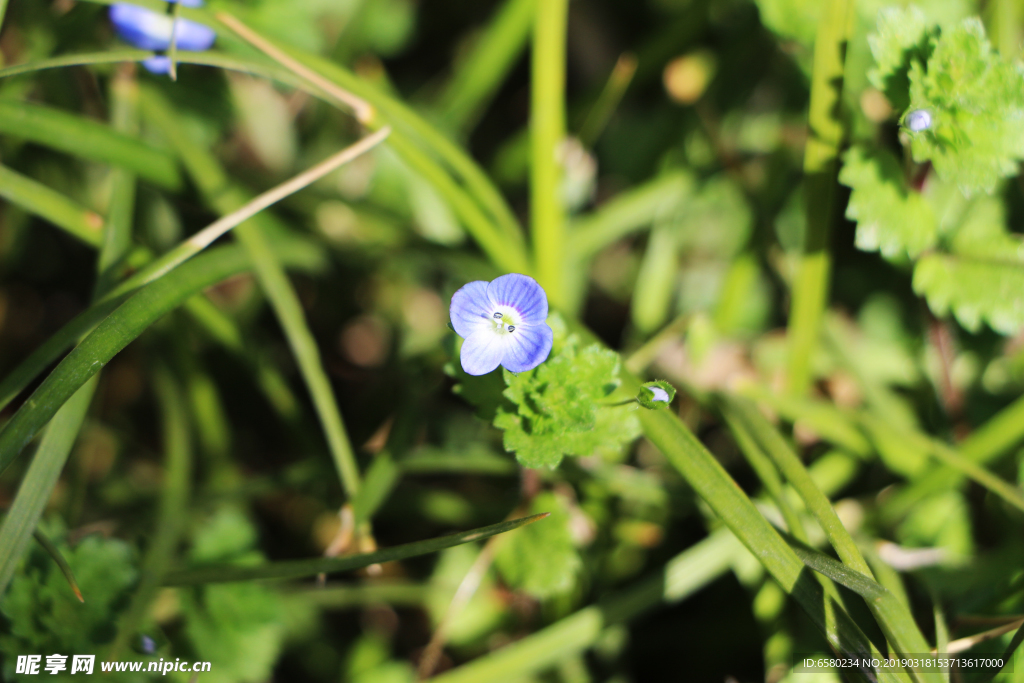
(503, 323)
(148, 30)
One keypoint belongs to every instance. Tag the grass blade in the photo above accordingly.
(47, 203)
(892, 615)
(628, 212)
(38, 482)
(949, 456)
(208, 235)
(212, 181)
(173, 509)
(111, 335)
(117, 238)
(323, 565)
(994, 438)
(547, 133)
(768, 474)
(479, 74)
(62, 564)
(88, 139)
(794, 471)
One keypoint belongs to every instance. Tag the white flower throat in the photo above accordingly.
(505, 320)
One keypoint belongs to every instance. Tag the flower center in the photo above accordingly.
(505, 320)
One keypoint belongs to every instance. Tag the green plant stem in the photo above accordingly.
(479, 74)
(892, 615)
(824, 418)
(205, 237)
(810, 291)
(172, 52)
(547, 132)
(949, 456)
(298, 254)
(374, 109)
(37, 484)
(303, 568)
(171, 518)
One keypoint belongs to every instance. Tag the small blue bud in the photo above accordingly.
(918, 120)
(656, 394)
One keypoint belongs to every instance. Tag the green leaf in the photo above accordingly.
(903, 36)
(982, 280)
(975, 289)
(42, 613)
(238, 625)
(890, 218)
(558, 407)
(541, 559)
(976, 99)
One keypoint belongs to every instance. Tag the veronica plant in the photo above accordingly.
(503, 323)
(150, 30)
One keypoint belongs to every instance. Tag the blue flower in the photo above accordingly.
(148, 30)
(503, 323)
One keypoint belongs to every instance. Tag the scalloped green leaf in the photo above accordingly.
(889, 217)
(557, 404)
(982, 279)
(976, 99)
(903, 36)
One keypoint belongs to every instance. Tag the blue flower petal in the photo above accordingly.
(157, 65)
(528, 347)
(194, 36)
(149, 30)
(483, 351)
(522, 293)
(471, 309)
(142, 28)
